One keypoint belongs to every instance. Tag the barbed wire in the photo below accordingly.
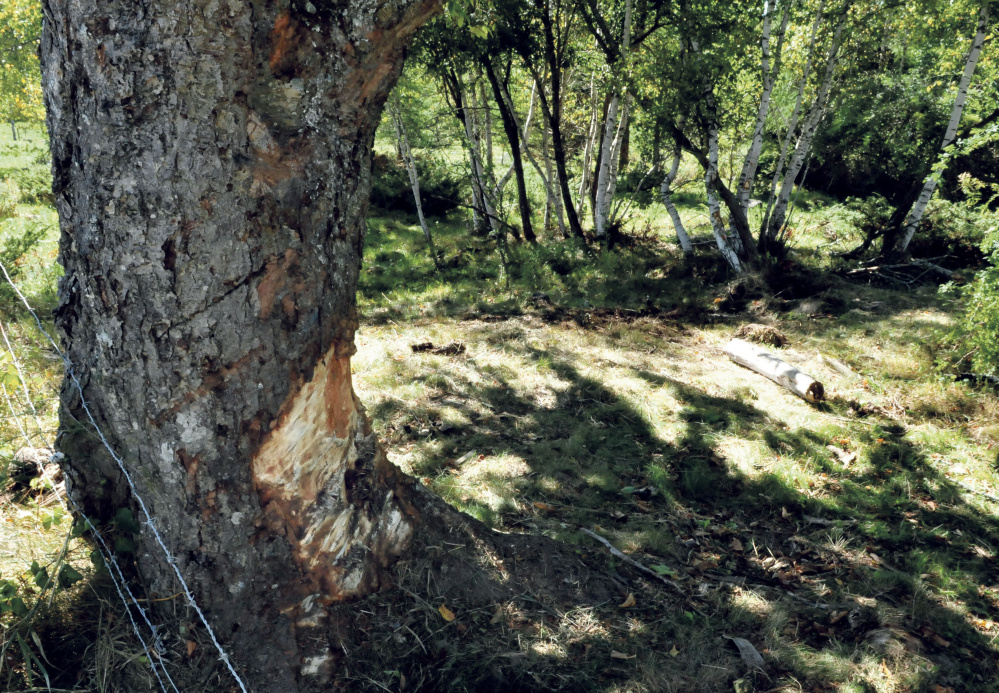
(106, 553)
(171, 560)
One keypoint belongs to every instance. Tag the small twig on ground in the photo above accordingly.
(617, 553)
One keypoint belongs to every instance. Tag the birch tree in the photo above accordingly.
(414, 176)
(666, 193)
(611, 145)
(775, 223)
(769, 79)
(897, 244)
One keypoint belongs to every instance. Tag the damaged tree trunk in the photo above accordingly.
(212, 168)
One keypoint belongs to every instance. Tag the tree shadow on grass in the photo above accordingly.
(832, 569)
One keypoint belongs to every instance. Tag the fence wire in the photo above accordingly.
(171, 560)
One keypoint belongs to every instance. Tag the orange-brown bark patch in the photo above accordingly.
(274, 280)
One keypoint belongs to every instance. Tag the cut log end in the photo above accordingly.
(815, 392)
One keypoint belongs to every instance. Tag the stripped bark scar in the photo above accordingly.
(274, 280)
(321, 482)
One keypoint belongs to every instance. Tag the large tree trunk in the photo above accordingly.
(211, 173)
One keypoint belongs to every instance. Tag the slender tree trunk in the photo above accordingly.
(792, 124)
(487, 124)
(13, 131)
(513, 136)
(414, 177)
(588, 148)
(547, 179)
(752, 160)
(804, 144)
(611, 144)
(667, 194)
(554, 197)
(915, 216)
(553, 113)
(481, 202)
(711, 183)
(211, 183)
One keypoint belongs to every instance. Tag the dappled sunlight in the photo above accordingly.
(549, 427)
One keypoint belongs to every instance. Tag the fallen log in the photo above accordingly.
(758, 359)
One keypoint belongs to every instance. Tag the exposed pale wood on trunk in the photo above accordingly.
(211, 182)
(759, 360)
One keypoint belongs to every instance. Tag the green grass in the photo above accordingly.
(638, 427)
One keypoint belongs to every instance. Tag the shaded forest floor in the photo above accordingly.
(852, 543)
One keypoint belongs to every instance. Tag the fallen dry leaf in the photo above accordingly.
(621, 655)
(736, 545)
(191, 647)
(446, 613)
(750, 655)
(630, 601)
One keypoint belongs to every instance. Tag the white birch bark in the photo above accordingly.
(682, 237)
(752, 159)
(710, 181)
(591, 136)
(414, 176)
(916, 214)
(487, 123)
(804, 143)
(602, 204)
(792, 125)
(481, 201)
(605, 189)
(615, 164)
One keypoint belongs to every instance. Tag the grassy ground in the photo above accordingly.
(853, 544)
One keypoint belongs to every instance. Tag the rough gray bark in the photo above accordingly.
(211, 172)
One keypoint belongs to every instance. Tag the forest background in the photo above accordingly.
(574, 205)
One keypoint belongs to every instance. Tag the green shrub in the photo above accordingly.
(981, 317)
(440, 186)
(12, 249)
(10, 197)
(35, 183)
